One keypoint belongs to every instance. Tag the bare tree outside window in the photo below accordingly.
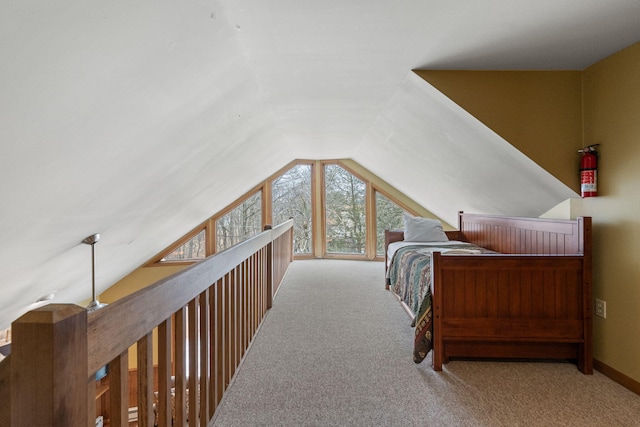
(345, 214)
(192, 250)
(388, 217)
(241, 223)
(291, 198)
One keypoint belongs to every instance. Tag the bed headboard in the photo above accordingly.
(515, 235)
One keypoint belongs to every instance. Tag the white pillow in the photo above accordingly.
(418, 229)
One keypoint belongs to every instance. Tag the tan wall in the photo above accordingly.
(602, 107)
(140, 278)
(549, 100)
(612, 119)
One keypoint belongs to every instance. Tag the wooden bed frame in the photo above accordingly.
(532, 300)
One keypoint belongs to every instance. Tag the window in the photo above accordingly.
(193, 250)
(240, 223)
(336, 205)
(291, 198)
(388, 217)
(345, 211)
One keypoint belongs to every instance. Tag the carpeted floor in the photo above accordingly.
(335, 350)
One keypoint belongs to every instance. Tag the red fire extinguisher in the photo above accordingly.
(589, 171)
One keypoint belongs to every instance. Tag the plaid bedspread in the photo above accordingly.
(409, 276)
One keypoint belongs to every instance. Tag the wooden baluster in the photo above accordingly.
(240, 313)
(119, 391)
(204, 358)
(269, 274)
(193, 362)
(220, 340)
(49, 367)
(242, 278)
(251, 295)
(91, 397)
(145, 381)
(212, 349)
(180, 366)
(164, 374)
(231, 324)
(246, 303)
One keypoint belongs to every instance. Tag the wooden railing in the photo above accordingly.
(204, 319)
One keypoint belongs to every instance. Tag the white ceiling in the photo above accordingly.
(138, 120)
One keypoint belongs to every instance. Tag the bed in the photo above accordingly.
(498, 287)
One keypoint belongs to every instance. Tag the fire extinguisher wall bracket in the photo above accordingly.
(589, 171)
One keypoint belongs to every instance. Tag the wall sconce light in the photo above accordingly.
(94, 304)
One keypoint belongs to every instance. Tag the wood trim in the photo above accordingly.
(402, 205)
(370, 224)
(319, 211)
(5, 391)
(617, 376)
(210, 237)
(266, 204)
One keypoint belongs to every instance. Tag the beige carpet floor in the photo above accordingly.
(335, 350)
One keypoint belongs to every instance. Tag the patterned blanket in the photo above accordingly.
(409, 276)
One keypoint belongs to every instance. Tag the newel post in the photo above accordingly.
(49, 367)
(269, 271)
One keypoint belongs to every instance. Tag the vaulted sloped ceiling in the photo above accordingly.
(138, 120)
(452, 160)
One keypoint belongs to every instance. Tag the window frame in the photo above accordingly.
(318, 216)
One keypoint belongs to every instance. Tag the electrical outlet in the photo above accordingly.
(601, 308)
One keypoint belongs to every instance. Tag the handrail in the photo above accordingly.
(208, 313)
(172, 293)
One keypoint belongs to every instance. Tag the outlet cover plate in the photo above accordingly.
(601, 308)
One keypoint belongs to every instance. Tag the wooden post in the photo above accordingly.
(49, 367)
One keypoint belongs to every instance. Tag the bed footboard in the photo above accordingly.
(511, 306)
